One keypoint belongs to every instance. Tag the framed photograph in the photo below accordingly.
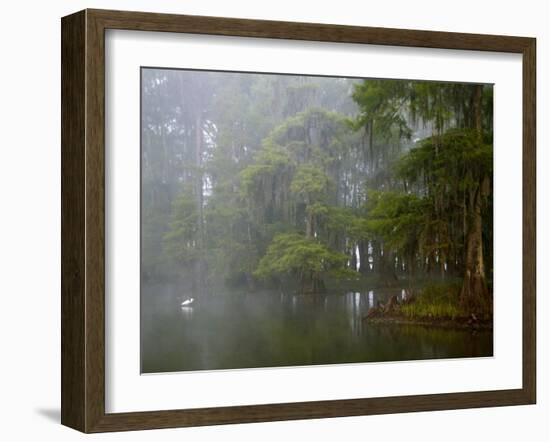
(270, 220)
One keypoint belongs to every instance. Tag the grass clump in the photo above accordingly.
(438, 301)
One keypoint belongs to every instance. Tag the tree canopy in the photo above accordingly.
(284, 180)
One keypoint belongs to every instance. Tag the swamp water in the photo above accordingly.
(268, 329)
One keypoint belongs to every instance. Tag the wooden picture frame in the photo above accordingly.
(83, 220)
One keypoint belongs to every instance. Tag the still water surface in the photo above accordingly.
(268, 329)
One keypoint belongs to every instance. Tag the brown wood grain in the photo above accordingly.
(529, 220)
(83, 219)
(73, 126)
(145, 21)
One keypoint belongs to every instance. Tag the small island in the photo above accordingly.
(436, 306)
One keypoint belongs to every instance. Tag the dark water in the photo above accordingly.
(267, 329)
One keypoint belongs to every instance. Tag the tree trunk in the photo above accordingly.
(309, 224)
(386, 267)
(200, 271)
(353, 256)
(474, 294)
(311, 284)
(474, 288)
(364, 268)
(476, 108)
(442, 261)
(411, 269)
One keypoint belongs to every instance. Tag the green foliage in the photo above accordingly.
(397, 218)
(296, 255)
(447, 170)
(153, 228)
(290, 175)
(181, 241)
(455, 161)
(381, 104)
(318, 210)
(231, 252)
(432, 102)
(271, 160)
(345, 221)
(438, 301)
(310, 184)
(315, 136)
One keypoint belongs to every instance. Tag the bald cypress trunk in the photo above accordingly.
(311, 283)
(474, 294)
(364, 268)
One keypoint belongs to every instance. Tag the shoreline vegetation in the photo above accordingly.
(436, 305)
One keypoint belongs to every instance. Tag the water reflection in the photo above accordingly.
(187, 312)
(236, 330)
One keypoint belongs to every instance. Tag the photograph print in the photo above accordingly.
(294, 220)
